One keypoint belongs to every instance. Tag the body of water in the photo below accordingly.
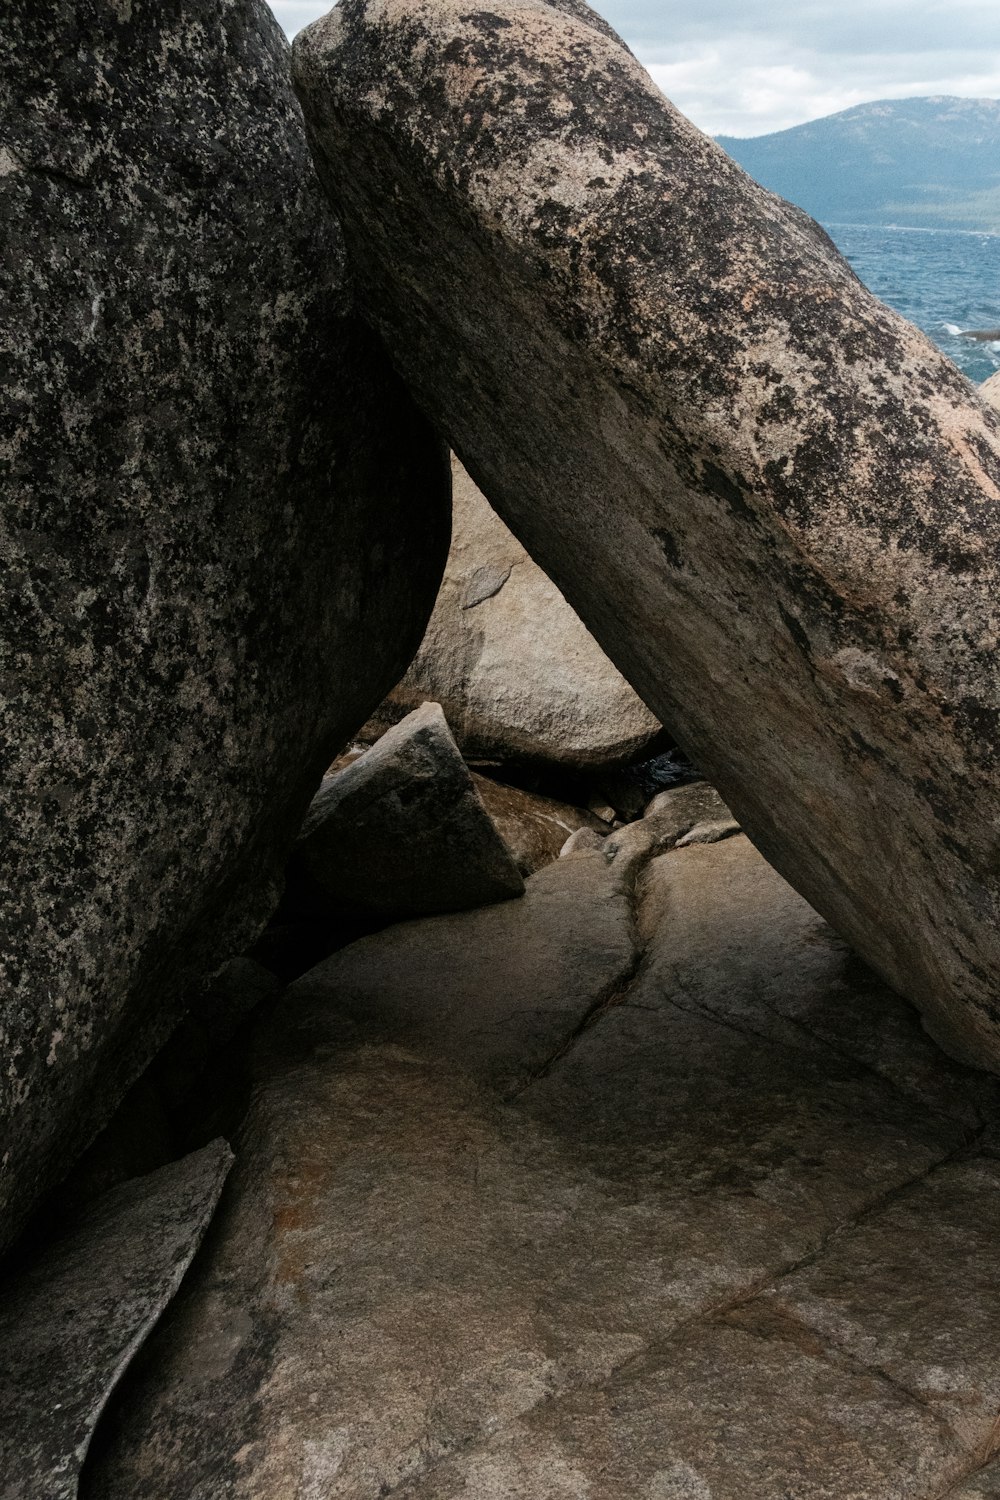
(940, 279)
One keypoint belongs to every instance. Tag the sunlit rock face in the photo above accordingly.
(518, 674)
(223, 527)
(772, 500)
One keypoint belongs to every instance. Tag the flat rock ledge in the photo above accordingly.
(640, 1188)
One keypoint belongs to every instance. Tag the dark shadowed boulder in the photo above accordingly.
(771, 499)
(223, 525)
(71, 1322)
(403, 831)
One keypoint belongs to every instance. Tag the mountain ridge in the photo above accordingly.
(929, 162)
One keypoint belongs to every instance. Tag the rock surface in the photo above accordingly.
(403, 832)
(579, 1196)
(990, 389)
(223, 524)
(517, 673)
(772, 500)
(694, 814)
(985, 1485)
(534, 828)
(71, 1324)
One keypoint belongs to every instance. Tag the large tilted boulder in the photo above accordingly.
(518, 674)
(771, 499)
(223, 524)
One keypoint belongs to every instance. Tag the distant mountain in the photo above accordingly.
(914, 162)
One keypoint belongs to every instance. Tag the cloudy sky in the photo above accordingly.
(744, 67)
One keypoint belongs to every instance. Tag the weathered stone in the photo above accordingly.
(630, 788)
(735, 1408)
(769, 497)
(912, 1292)
(495, 990)
(534, 828)
(753, 956)
(693, 814)
(514, 1209)
(223, 524)
(990, 389)
(517, 673)
(71, 1324)
(983, 1485)
(403, 832)
(584, 841)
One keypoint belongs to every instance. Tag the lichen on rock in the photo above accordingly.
(771, 499)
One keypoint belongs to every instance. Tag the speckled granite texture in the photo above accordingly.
(773, 502)
(222, 526)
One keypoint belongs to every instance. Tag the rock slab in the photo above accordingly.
(772, 500)
(600, 1193)
(71, 1324)
(223, 525)
(403, 831)
(518, 674)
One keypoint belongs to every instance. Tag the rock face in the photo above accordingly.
(223, 525)
(71, 1324)
(517, 673)
(403, 832)
(990, 389)
(772, 500)
(643, 1186)
(534, 828)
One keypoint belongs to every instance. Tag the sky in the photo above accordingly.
(746, 67)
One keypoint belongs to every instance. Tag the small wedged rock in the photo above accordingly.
(519, 676)
(771, 499)
(402, 831)
(71, 1324)
(534, 828)
(223, 522)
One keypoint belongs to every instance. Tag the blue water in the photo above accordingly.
(940, 279)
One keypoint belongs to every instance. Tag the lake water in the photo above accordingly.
(940, 279)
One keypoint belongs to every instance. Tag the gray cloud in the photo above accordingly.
(294, 14)
(850, 27)
(743, 67)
